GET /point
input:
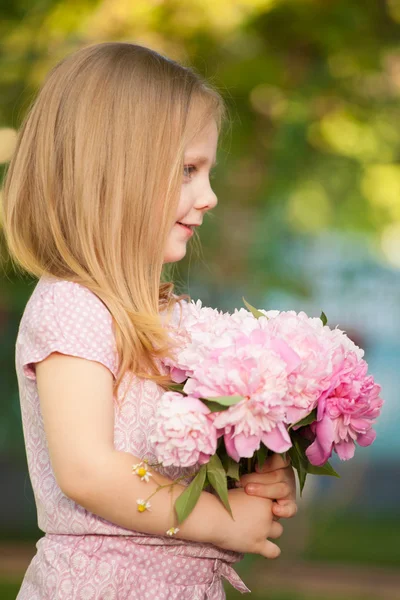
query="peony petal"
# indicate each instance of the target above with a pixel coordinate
(367, 438)
(295, 414)
(246, 445)
(345, 450)
(230, 446)
(203, 458)
(178, 375)
(291, 358)
(258, 336)
(321, 449)
(190, 387)
(278, 439)
(360, 425)
(187, 404)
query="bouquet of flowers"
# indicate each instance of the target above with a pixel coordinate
(255, 382)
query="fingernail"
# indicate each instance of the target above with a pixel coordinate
(251, 489)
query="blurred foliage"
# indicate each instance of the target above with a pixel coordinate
(329, 530)
(313, 89)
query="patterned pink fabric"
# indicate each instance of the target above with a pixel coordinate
(91, 567)
(67, 317)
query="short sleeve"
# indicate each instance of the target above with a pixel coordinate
(69, 318)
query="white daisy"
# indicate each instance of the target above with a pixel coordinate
(141, 470)
(143, 505)
(137, 466)
(172, 530)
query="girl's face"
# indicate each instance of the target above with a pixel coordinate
(197, 196)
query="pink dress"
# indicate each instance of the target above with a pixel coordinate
(83, 556)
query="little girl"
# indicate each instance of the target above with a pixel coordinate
(109, 180)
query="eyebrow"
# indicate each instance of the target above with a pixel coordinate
(203, 160)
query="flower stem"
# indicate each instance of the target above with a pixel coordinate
(170, 485)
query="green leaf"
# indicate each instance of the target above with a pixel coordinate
(257, 313)
(325, 469)
(301, 443)
(232, 468)
(177, 387)
(186, 502)
(283, 454)
(306, 421)
(224, 400)
(217, 477)
(214, 407)
(323, 318)
(299, 458)
(224, 458)
(261, 455)
(300, 465)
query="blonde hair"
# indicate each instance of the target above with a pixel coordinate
(92, 190)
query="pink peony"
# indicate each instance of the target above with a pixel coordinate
(319, 355)
(242, 367)
(284, 365)
(184, 434)
(246, 367)
(196, 332)
(346, 412)
(249, 422)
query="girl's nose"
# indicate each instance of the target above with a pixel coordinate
(206, 201)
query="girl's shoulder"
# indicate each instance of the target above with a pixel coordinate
(50, 289)
(66, 307)
(66, 317)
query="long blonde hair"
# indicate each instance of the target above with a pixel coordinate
(92, 189)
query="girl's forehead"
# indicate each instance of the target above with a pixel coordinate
(203, 146)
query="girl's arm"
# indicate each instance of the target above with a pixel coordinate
(76, 400)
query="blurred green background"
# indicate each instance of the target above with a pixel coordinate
(308, 218)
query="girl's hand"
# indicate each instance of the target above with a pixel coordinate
(252, 524)
(275, 481)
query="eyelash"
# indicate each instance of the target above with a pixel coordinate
(212, 175)
(190, 167)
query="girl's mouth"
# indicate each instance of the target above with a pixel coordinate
(187, 228)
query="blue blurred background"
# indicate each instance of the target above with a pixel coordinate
(308, 219)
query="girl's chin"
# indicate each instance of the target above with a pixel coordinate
(175, 254)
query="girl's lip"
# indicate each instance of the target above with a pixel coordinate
(185, 228)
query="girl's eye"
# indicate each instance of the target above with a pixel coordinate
(189, 167)
(193, 168)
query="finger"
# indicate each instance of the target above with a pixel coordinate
(269, 550)
(275, 476)
(276, 530)
(274, 491)
(285, 511)
(273, 462)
